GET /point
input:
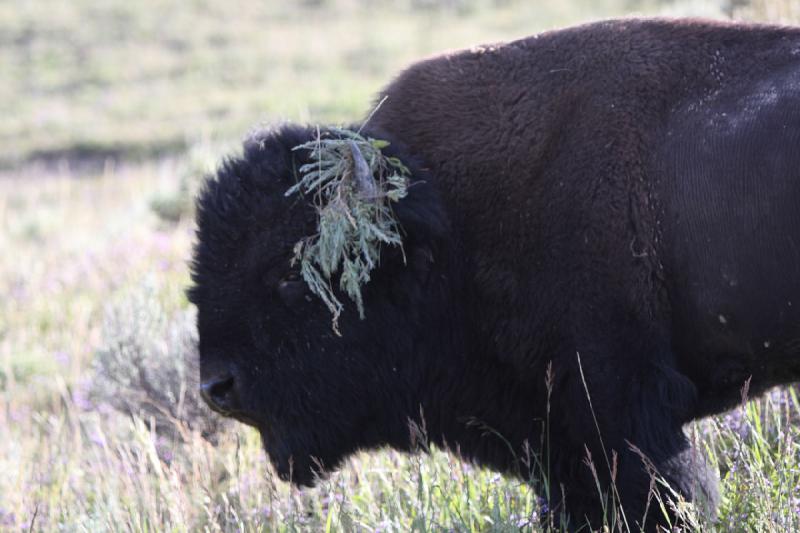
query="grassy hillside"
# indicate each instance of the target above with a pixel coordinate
(111, 110)
(90, 79)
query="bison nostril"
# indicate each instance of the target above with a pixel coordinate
(219, 393)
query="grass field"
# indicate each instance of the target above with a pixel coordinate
(140, 79)
(111, 111)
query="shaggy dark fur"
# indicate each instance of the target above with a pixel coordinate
(618, 201)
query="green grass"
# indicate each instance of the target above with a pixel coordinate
(90, 87)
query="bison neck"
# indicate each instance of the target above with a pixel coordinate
(476, 407)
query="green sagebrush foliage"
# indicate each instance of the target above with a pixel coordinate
(147, 364)
(352, 184)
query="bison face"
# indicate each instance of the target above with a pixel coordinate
(268, 355)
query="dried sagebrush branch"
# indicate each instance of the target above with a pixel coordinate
(352, 184)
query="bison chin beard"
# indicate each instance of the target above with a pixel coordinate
(287, 462)
(296, 459)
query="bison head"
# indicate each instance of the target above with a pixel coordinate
(268, 355)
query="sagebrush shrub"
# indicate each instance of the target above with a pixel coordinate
(147, 365)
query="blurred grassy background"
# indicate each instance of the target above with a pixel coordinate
(90, 79)
(111, 111)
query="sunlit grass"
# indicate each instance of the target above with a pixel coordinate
(85, 471)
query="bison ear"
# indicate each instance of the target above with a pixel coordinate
(421, 214)
(426, 229)
(421, 260)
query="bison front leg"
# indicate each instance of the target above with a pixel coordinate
(619, 450)
(647, 487)
(689, 475)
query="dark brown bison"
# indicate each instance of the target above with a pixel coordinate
(604, 216)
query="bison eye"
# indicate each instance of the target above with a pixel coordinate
(292, 289)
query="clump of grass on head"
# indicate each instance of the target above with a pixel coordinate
(353, 185)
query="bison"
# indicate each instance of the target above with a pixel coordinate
(602, 232)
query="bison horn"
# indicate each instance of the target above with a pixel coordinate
(362, 174)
